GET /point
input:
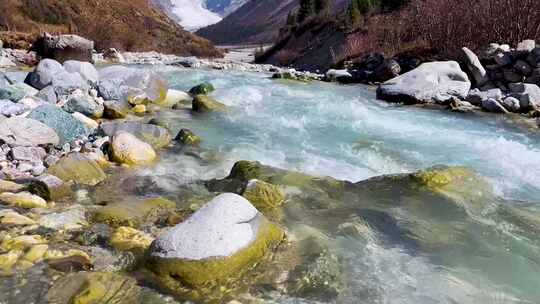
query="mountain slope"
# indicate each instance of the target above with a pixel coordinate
(257, 21)
(133, 25)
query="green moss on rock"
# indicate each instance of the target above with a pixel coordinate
(204, 104)
(133, 213)
(264, 196)
(197, 277)
(78, 169)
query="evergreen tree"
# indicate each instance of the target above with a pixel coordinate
(307, 8)
(354, 13)
(291, 19)
(321, 6)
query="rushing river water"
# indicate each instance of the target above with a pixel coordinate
(424, 248)
(342, 131)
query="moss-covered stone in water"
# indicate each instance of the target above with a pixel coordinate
(203, 104)
(197, 277)
(264, 196)
(245, 171)
(78, 169)
(188, 138)
(129, 239)
(133, 213)
(202, 89)
(94, 288)
(23, 200)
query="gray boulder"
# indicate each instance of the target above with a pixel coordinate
(492, 105)
(334, 75)
(116, 82)
(534, 58)
(44, 73)
(527, 93)
(431, 82)
(84, 104)
(87, 70)
(477, 96)
(512, 104)
(510, 75)
(523, 68)
(475, 66)
(156, 136)
(48, 94)
(8, 108)
(526, 46)
(65, 125)
(503, 58)
(65, 47)
(65, 83)
(34, 155)
(16, 92)
(20, 131)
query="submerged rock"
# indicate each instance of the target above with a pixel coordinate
(435, 82)
(220, 242)
(129, 239)
(204, 104)
(23, 200)
(128, 149)
(94, 288)
(78, 169)
(134, 213)
(188, 138)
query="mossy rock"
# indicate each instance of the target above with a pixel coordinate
(181, 275)
(78, 169)
(188, 138)
(202, 89)
(204, 104)
(134, 213)
(214, 247)
(264, 196)
(130, 239)
(94, 288)
(23, 200)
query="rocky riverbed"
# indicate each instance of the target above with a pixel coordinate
(164, 184)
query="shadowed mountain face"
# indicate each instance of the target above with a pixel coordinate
(257, 21)
(133, 25)
(224, 7)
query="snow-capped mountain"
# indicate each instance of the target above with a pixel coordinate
(191, 14)
(195, 14)
(224, 7)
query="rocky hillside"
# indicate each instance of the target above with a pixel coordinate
(133, 25)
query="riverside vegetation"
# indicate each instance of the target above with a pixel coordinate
(142, 184)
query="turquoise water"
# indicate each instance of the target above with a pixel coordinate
(344, 132)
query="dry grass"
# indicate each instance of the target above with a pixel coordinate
(132, 25)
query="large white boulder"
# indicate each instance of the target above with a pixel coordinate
(437, 82)
(219, 241)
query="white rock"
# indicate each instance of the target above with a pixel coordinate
(87, 70)
(225, 225)
(26, 132)
(476, 67)
(430, 82)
